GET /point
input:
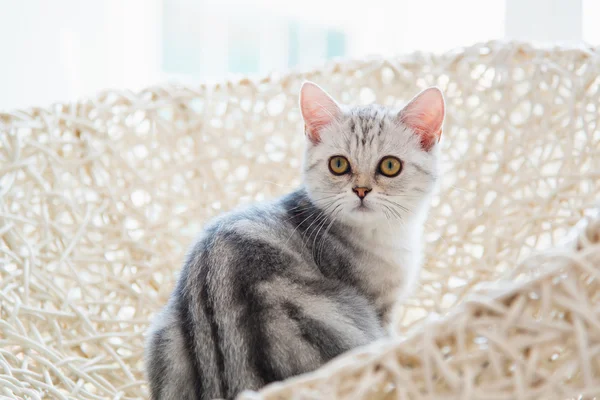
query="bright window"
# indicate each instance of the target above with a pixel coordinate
(67, 49)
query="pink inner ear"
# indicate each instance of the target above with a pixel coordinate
(318, 110)
(425, 116)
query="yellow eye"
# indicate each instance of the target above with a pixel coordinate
(339, 165)
(390, 166)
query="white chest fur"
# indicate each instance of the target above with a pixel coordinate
(390, 264)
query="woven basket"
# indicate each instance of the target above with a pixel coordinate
(99, 201)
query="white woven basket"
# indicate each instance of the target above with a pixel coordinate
(100, 199)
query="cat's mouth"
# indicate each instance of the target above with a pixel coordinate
(362, 208)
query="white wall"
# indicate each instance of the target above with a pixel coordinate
(61, 50)
(545, 20)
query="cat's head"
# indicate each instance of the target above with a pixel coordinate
(367, 164)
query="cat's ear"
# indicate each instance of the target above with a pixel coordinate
(318, 110)
(425, 116)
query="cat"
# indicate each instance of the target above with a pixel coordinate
(279, 289)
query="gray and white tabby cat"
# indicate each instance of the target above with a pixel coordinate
(281, 288)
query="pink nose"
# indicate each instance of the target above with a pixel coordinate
(361, 192)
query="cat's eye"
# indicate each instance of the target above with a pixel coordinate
(390, 166)
(339, 165)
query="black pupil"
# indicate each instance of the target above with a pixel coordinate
(390, 164)
(339, 163)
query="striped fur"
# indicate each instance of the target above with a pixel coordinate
(278, 289)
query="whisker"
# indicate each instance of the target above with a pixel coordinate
(310, 215)
(308, 208)
(464, 190)
(317, 235)
(335, 215)
(430, 227)
(387, 218)
(280, 185)
(318, 218)
(394, 204)
(394, 213)
(398, 205)
(297, 226)
(325, 191)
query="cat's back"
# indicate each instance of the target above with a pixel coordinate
(250, 245)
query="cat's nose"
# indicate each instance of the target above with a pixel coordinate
(361, 192)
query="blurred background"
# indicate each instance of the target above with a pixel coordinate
(63, 50)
